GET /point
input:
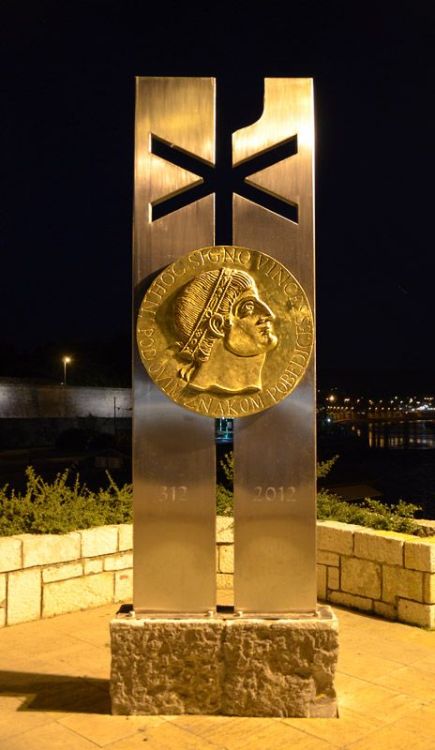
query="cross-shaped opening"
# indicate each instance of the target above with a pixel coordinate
(223, 178)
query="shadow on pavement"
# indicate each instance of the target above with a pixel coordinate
(49, 692)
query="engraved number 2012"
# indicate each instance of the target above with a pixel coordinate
(172, 493)
(279, 494)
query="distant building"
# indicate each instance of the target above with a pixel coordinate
(36, 414)
(20, 400)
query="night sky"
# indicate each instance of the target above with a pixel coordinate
(67, 90)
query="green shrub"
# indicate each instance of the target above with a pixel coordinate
(64, 505)
(369, 512)
(224, 501)
(224, 495)
(60, 506)
(324, 467)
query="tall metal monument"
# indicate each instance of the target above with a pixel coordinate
(224, 328)
(268, 191)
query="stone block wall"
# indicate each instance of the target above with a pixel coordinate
(42, 575)
(389, 574)
(384, 572)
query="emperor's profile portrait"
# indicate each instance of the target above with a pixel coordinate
(224, 332)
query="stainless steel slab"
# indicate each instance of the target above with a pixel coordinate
(173, 450)
(275, 456)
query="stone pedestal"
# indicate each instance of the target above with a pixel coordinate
(225, 665)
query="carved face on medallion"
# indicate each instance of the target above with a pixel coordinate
(225, 331)
(249, 329)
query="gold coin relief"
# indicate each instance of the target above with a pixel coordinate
(225, 331)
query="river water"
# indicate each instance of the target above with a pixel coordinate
(395, 458)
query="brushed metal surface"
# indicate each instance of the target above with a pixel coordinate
(275, 451)
(173, 450)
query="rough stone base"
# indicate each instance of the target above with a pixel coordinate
(234, 666)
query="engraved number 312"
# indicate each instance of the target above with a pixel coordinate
(173, 493)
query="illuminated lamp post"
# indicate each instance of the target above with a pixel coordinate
(66, 361)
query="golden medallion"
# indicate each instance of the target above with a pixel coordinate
(225, 331)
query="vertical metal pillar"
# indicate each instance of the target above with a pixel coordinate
(173, 449)
(275, 568)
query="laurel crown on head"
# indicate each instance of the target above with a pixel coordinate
(200, 312)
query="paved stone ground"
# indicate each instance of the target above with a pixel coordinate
(54, 693)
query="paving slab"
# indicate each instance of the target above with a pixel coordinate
(54, 693)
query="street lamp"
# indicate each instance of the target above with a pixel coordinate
(66, 361)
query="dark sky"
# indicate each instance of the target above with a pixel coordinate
(67, 90)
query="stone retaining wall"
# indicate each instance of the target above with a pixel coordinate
(384, 572)
(390, 574)
(29, 401)
(48, 574)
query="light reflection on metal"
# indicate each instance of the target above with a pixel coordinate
(173, 450)
(275, 450)
(168, 179)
